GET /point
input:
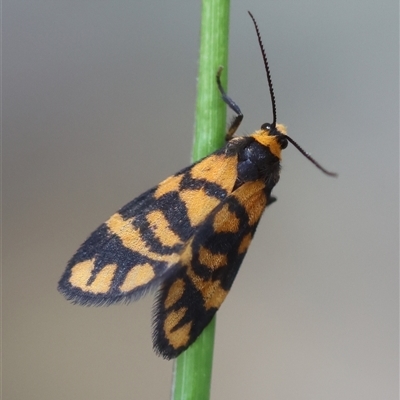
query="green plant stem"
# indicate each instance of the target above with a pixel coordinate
(192, 369)
(210, 109)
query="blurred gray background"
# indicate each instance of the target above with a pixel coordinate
(98, 105)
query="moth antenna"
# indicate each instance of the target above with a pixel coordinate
(264, 55)
(271, 91)
(307, 155)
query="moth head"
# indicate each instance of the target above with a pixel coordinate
(278, 131)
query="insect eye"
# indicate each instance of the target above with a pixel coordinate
(266, 126)
(282, 141)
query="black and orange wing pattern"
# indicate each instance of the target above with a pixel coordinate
(133, 250)
(188, 236)
(209, 262)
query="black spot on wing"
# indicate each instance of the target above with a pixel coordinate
(175, 212)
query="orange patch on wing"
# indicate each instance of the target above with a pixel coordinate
(186, 255)
(252, 197)
(198, 204)
(220, 169)
(211, 260)
(211, 291)
(177, 337)
(245, 243)
(82, 272)
(131, 239)
(213, 295)
(175, 292)
(226, 221)
(137, 276)
(170, 184)
(161, 228)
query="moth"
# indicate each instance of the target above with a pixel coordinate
(187, 236)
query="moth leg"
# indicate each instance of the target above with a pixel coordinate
(232, 105)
